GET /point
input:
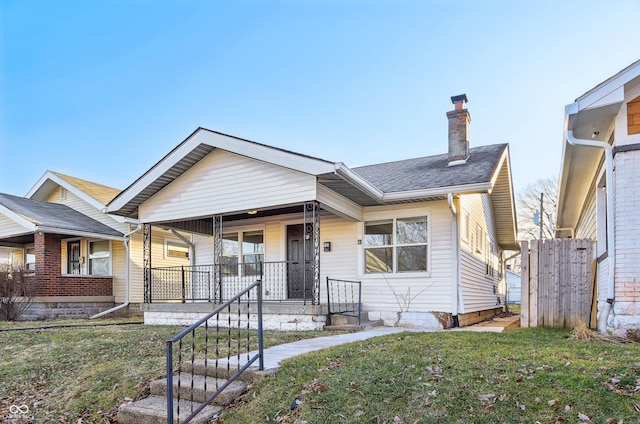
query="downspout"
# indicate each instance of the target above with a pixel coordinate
(603, 316)
(455, 255)
(126, 277)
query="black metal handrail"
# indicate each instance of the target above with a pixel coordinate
(284, 280)
(344, 297)
(191, 330)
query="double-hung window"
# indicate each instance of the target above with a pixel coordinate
(242, 253)
(99, 257)
(396, 245)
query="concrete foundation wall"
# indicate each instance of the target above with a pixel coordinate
(43, 311)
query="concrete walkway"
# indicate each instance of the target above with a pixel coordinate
(274, 355)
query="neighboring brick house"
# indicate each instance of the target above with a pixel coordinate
(599, 194)
(35, 233)
(82, 262)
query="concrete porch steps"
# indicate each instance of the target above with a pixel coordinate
(153, 409)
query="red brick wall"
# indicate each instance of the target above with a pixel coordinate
(49, 278)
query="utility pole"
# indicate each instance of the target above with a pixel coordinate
(541, 213)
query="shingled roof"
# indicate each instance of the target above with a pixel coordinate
(433, 171)
(101, 193)
(54, 217)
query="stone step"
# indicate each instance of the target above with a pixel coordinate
(232, 392)
(218, 369)
(153, 410)
(347, 328)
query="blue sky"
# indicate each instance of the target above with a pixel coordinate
(102, 90)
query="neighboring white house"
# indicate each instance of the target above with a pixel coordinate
(425, 236)
(599, 194)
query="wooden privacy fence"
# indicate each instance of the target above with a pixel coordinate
(557, 283)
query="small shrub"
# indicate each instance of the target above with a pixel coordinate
(16, 292)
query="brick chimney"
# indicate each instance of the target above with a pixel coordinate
(459, 120)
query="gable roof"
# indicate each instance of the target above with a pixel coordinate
(195, 147)
(97, 195)
(419, 179)
(35, 215)
(592, 116)
(432, 172)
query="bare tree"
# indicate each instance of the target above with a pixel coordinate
(529, 206)
(16, 292)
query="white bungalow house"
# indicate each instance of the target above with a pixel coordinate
(599, 195)
(423, 236)
(81, 261)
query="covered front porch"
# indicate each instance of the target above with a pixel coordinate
(228, 253)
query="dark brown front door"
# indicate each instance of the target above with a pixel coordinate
(299, 274)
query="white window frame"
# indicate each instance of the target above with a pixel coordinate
(394, 245)
(240, 231)
(26, 262)
(85, 262)
(176, 243)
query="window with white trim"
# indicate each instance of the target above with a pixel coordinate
(396, 245)
(175, 249)
(30, 259)
(100, 257)
(242, 253)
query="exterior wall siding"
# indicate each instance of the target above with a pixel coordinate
(8, 227)
(415, 292)
(226, 182)
(479, 291)
(75, 202)
(587, 226)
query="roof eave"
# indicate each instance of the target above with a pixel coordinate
(87, 234)
(51, 176)
(439, 191)
(202, 136)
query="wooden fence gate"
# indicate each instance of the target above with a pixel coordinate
(557, 283)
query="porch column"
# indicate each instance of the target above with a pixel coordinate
(312, 235)
(146, 261)
(217, 258)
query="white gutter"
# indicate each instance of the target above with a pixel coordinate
(343, 171)
(126, 277)
(455, 248)
(603, 316)
(52, 230)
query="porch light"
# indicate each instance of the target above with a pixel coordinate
(327, 246)
(252, 212)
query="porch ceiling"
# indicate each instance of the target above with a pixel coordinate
(205, 225)
(12, 241)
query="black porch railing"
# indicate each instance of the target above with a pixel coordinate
(287, 280)
(344, 297)
(231, 341)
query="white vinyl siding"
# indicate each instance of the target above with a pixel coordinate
(76, 203)
(587, 224)
(9, 227)
(158, 259)
(416, 291)
(479, 291)
(225, 182)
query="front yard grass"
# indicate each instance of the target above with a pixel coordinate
(520, 376)
(80, 373)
